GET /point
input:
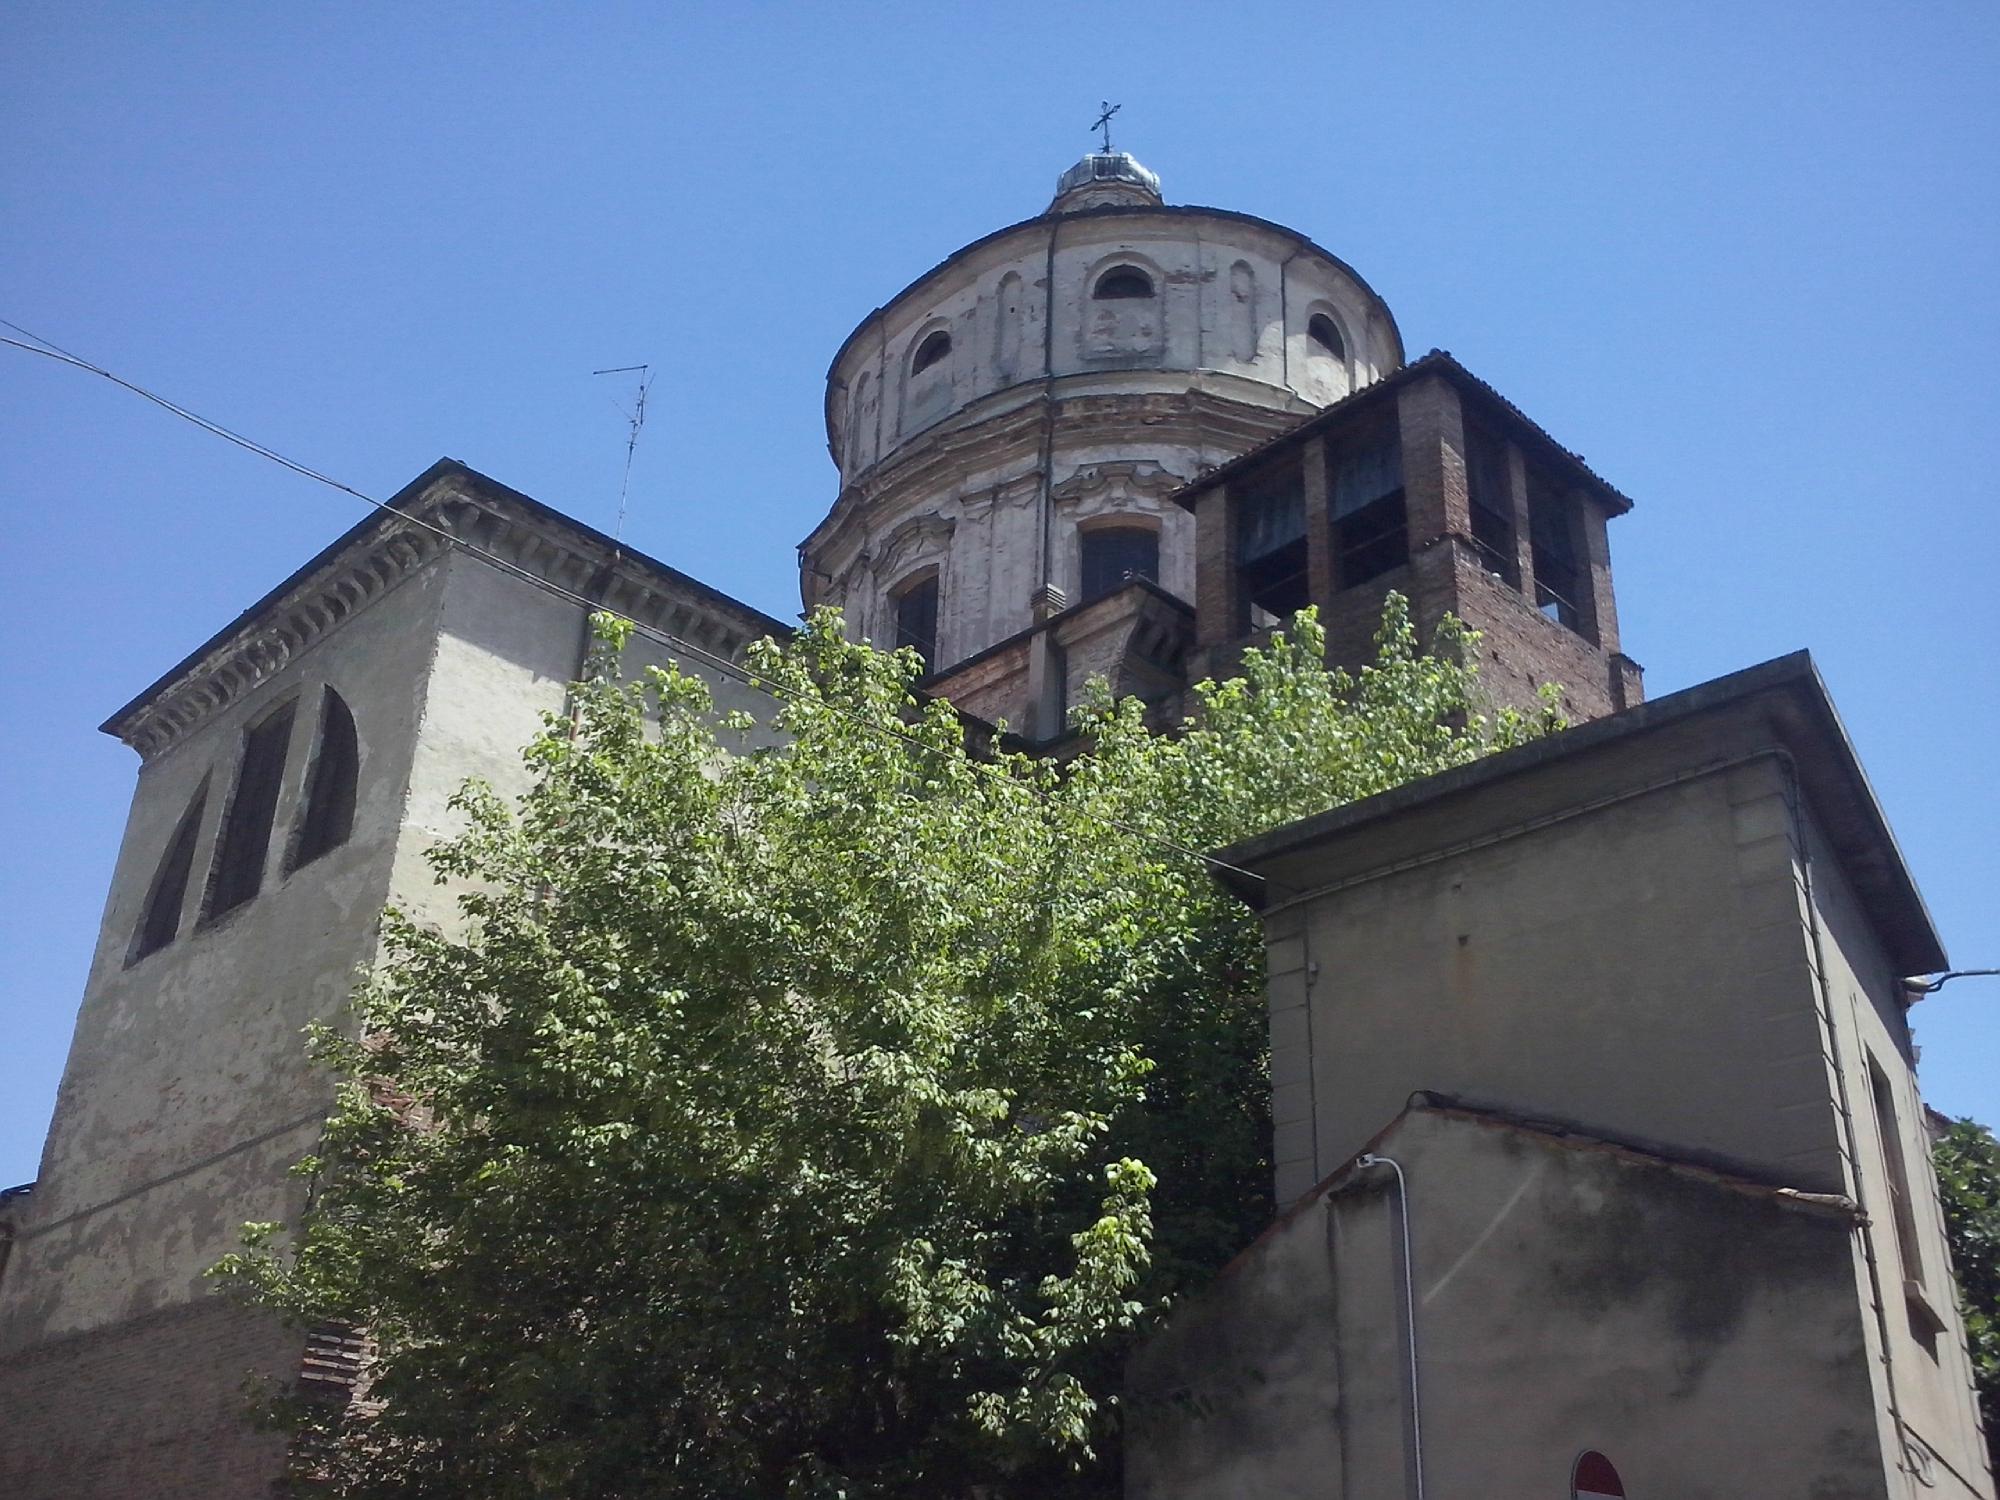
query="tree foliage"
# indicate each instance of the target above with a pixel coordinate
(1968, 1171)
(820, 1120)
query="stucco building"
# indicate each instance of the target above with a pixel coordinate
(1597, 1133)
(1121, 439)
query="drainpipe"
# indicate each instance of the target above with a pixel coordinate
(1795, 804)
(1370, 1159)
(1284, 323)
(1048, 405)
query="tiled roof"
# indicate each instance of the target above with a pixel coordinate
(1437, 362)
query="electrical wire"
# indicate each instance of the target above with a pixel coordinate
(722, 664)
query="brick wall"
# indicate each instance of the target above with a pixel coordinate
(153, 1408)
(1520, 648)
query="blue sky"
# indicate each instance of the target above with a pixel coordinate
(1742, 257)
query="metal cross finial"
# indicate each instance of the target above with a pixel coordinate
(1103, 123)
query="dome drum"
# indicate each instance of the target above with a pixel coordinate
(1066, 373)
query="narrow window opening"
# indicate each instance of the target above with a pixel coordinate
(1371, 531)
(238, 872)
(1898, 1172)
(1492, 504)
(160, 921)
(329, 811)
(1271, 546)
(1114, 555)
(917, 618)
(1558, 580)
(1123, 281)
(930, 351)
(1325, 336)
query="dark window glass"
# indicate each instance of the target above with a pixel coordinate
(930, 351)
(160, 923)
(329, 812)
(1492, 504)
(1558, 580)
(1370, 529)
(1595, 1479)
(1326, 337)
(1899, 1175)
(1271, 544)
(916, 620)
(1117, 553)
(246, 829)
(1124, 281)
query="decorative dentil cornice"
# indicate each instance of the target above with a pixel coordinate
(475, 516)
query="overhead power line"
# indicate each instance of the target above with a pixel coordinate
(673, 643)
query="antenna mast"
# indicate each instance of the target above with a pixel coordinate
(636, 418)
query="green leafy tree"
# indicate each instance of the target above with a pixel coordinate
(824, 1120)
(1968, 1171)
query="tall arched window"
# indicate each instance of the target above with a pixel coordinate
(917, 618)
(160, 921)
(934, 348)
(328, 816)
(1114, 555)
(1123, 281)
(1325, 336)
(238, 871)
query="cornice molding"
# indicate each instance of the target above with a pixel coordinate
(936, 468)
(383, 553)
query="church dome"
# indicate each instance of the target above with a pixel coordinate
(1031, 403)
(1105, 177)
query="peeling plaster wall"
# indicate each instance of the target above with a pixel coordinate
(1556, 972)
(1709, 1342)
(1128, 398)
(188, 1094)
(1930, 1366)
(182, 1059)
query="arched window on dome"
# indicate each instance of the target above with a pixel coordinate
(328, 816)
(160, 920)
(932, 350)
(1121, 282)
(1325, 337)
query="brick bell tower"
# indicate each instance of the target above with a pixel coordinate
(1431, 483)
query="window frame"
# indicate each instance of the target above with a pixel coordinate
(1112, 529)
(924, 581)
(1273, 582)
(174, 869)
(922, 358)
(1373, 537)
(1318, 348)
(1103, 287)
(326, 803)
(235, 872)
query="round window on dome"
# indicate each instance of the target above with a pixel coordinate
(1123, 281)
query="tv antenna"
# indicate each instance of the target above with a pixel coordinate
(635, 417)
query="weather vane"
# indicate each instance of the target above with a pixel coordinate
(1103, 123)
